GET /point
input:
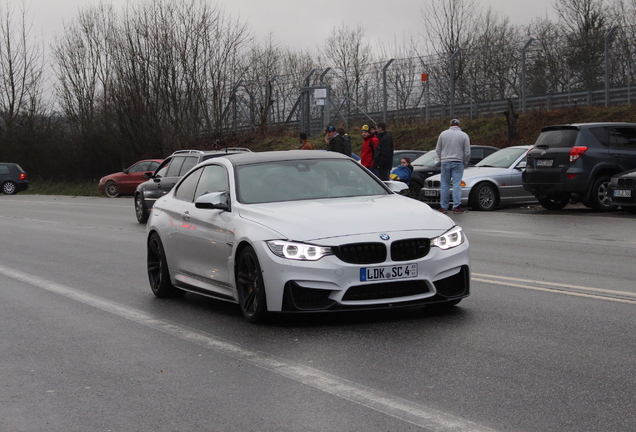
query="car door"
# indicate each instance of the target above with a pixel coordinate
(622, 146)
(205, 244)
(515, 191)
(133, 176)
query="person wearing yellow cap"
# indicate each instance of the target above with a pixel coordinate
(369, 145)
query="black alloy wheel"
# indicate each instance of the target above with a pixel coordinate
(111, 189)
(158, 274)
(250, 286)
(599, 198)
(140, 209)
(9, 188)
(554, 202)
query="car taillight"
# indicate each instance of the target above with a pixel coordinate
(22, 176)
(576, 152)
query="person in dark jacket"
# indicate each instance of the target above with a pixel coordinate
(383, 155)
(335, 142)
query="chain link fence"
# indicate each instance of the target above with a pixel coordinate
(531, 73)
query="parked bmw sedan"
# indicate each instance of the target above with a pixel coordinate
(300, 231)
(494, 181)
(622, 190)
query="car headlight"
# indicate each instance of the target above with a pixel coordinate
(450, 239)
(298, 251)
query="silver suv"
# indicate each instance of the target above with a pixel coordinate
(168, 173)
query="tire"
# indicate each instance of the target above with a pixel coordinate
(415, 190)
(484, 197)
(555, 202)
(140, 209)
(250, 286)
(158, 273)
(599, 199)
(9, 188)
(111, 189)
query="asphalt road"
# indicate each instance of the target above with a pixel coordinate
(544, 343)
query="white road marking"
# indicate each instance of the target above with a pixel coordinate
(396, 407)
(573, 290)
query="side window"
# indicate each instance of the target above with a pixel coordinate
(163, 168)
(175, 166)
(602, 134)
(139, 167)
(623, 137)
(153, 166)
(4, 169)
(185, 191)
(214, 179)
(476, 155)
(188, 164)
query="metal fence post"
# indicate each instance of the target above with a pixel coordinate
(452, 82)
(607, 65)
(385, 92)
(523, 74)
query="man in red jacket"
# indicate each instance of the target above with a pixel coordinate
(369, 145)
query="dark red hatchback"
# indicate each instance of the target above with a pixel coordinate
(125, 182)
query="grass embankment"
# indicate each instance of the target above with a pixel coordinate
(38, 186)
(491, 130)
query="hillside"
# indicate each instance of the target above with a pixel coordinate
(483, 131)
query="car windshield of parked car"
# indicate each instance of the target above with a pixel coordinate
(428, 159)
(503, 158)
(304, 180)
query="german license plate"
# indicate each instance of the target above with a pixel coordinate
(623, 193)
(432, 193)
(389, 272)
(544, 162)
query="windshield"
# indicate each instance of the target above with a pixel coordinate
(428, 159)
(503, 158)
(304, 180)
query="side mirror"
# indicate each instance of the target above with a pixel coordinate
(397, 187)
(125, 171)
(147, 174)
(213, 200)
(522, 165)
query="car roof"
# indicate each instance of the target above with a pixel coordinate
(586, 125)
(275, 156)
(228, 150)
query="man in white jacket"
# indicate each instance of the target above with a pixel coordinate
(453, 150)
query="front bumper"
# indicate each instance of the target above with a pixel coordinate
(432, 196)
(330, 284)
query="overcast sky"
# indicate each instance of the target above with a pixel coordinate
(304, 24)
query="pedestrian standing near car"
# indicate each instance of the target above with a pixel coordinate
(304, 142)
(346, 139)
(334, 141)
(453, 151)
(383, 155)
(369, 144)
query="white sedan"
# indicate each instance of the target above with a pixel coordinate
(302, 231)
(494, 181)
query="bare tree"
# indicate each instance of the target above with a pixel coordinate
(586, 23)
(348, 52)
(21, 69)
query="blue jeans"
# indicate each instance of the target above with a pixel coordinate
(451, 171)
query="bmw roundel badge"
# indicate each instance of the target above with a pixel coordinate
(384, 236)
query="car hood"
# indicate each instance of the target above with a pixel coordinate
(335, 217)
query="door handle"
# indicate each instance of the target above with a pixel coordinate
(185, 215)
